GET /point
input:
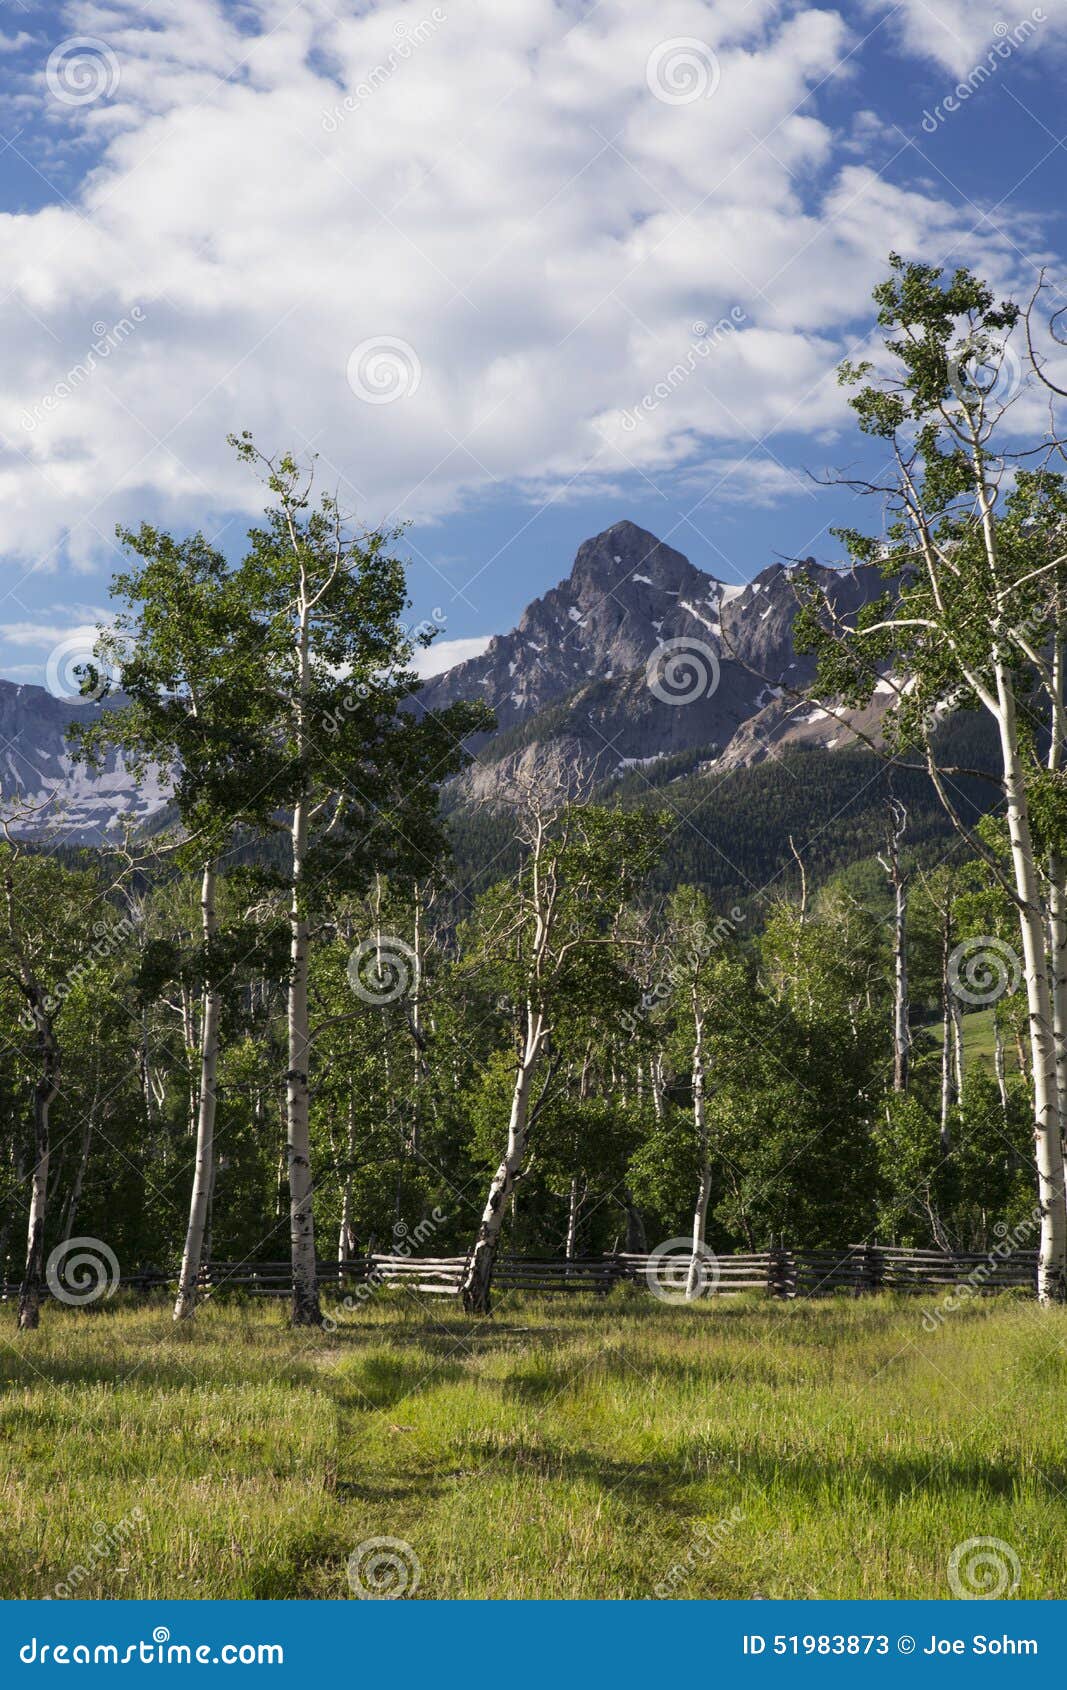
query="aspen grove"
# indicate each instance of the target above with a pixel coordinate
(283, 1023)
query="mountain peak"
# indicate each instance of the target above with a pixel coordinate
(627, 594)
(625, 552)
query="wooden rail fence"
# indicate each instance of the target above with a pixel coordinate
(782, 1273)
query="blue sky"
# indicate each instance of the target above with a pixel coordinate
(514, 273)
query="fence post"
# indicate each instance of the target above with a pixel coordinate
(873, 1268)
(778, 1273)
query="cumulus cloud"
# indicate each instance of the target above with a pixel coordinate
(451, 248)
(959, 34)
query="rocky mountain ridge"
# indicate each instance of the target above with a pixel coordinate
(638, 655)
(634, 657)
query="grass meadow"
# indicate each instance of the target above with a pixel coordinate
(567, 1447)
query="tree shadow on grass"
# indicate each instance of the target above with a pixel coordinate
(383, 1381)
(887, 1479)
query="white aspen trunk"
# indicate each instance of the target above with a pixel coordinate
(998, 1061)
(901, 1033)
(146, 1073)
(1048, 1139)
(479, 1275)
(191, 1063)
(657, 1085)
(572, 1220)
(417, 1034)
(947, 1029)
(694, 1278)
(899, 882)
(1057, 873)
(305, 1304)
(1057, 926)
(200, 1199)
(346, 1237)
(1048, 1144)
(44, 1092)
(957, 1043)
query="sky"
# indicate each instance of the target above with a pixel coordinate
(513, 271)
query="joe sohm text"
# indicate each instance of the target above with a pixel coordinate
(880, 1643)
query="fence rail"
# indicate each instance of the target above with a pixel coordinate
(786, 1274)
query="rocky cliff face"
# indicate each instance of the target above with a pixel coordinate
(635, 657)
(638, 655)
(87, 808)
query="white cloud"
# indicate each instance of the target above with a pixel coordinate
(46, 634)
(444, 654)
(959, 34)
(503, 195)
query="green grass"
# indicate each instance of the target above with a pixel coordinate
(566, 1448)
(979, 1041)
